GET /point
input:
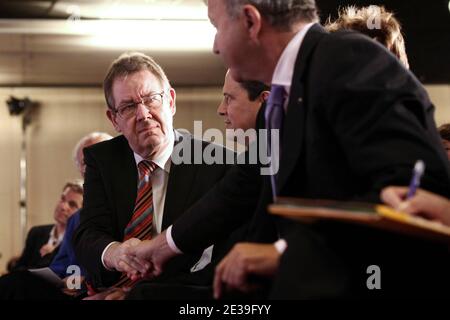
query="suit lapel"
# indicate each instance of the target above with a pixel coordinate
(126, 177)
(179, 185)
(294, 124)
(181, 180)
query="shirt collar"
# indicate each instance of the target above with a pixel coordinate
(53, 239)
(284, 70)
(163, 160)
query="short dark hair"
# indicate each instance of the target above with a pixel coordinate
(444, 131)
(254, 88)
(281, 14)
(129, 63)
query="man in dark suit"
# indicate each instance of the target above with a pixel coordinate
(355, 120)
(43, 241)
(141, 105)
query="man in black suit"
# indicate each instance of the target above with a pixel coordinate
(141, 105)
(355, 120)
(43, 241)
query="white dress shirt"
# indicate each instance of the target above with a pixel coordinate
(159, 179)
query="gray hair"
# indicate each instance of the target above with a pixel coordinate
(87, 140)
(281, 14)
(129, 63)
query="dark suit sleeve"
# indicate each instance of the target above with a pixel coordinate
(95, 231)
(229, 204)
(381, 116)
(26, 258)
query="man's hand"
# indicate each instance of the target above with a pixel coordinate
(423, 203)
(155, 252)
(118, 257)
(110, 294)
(243, 260)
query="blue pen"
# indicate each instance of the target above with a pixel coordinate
(419, 168)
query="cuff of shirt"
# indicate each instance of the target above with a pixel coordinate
(280, 245)
(103, 255)
(170, 241)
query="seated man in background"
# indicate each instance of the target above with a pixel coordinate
(423, 203)
(444, 131)
(388, 32)
(43, 241)
(31, 286)
(66, 254)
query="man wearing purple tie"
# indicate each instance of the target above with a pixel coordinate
(353, 121)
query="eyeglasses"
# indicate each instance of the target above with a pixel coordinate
(152, 101)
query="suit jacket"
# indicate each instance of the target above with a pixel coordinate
(110, 191)
(356, 122)
(31, 258)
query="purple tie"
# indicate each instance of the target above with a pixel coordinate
(274, 120)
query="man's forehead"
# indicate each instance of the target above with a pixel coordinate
(138, 82)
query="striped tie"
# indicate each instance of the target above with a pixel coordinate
(140, 225)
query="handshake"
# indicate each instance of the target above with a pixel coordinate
(139, 259)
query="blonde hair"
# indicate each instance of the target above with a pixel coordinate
(389, 34)
(87, 140)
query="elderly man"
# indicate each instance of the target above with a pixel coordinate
(353, 120)
(135, 185)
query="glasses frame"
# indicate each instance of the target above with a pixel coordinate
(119, 110)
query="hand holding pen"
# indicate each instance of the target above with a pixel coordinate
(418, 171)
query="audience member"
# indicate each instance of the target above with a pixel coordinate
(375, 22)
(43, 241)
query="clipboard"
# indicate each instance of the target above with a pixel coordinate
(372, 215)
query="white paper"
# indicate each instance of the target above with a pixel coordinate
(48, 275)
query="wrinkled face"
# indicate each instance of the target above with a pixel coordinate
(236, 108)
(150, 128)
(67, 205)
(232, 42)
(446, 144)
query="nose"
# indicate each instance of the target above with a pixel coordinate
(142, 112)
(63, 205)
(222, 110)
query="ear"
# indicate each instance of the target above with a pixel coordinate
(112, 117)
(172, 99)
(264, 96)
(253, 21)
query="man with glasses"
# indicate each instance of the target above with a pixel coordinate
(134, 189)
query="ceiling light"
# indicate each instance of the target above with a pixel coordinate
(188, 35)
